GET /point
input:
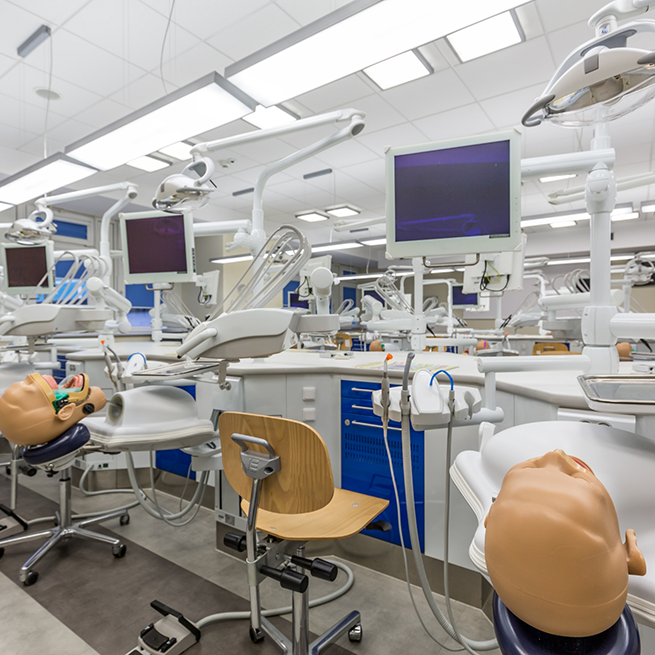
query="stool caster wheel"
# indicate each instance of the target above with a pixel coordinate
(125, 519)
(119, 551)
(31, 578)
(29, 471)
(355, 633)
(8, 470)
(2, 552)
(256, 636)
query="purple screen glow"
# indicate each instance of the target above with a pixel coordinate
(156, 245)
(454, 192)
(26, 267)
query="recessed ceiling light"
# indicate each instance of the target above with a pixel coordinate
(231, 260)
(343, 212)
(558, 224)
(557, 178)
(627, 216)
(265, 117)
(312, 217)
(180, 150)
(648, 208)
(346, 245)
(148, 164)
(485, 37)
(399, 69)
(376, 242)
(47, 94)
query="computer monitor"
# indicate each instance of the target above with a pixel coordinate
(28, 269)
(463, 300)
(454, 197)
(158, 247)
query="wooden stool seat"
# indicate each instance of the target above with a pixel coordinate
(348, 513)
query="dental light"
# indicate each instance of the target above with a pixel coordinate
(603, 79)
(182, 192)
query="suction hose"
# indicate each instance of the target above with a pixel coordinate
(449, 627)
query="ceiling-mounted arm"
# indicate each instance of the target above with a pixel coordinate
(105, 246)
(607, 17)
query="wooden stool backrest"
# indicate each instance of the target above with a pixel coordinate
(549, 348)
(304, 482)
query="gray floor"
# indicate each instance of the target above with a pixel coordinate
(390, 625)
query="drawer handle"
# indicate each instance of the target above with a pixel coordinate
(364, 390)
(362, 407)
(372, 425)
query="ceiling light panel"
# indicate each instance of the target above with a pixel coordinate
(232, 260)
(398, 70)
(559, 224)
(485, 37)
(312, 217)
(647, 208)
(179, 150)
(557, 178)
(148, 164)
(198, 107)
(329, 247)
(350, 39)
(343, 212)
(376, 242)
(265, 118)
(48, 175)
(628, 216)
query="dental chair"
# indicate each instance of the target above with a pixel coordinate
(282, 470)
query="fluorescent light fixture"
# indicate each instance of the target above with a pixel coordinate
(198, 107)
(329, 247)
(33, 41)
(4, 206)
(232, 260)
(265, 117)
(180, 150)
(148, 164)
(343, 212)
(557, 178)
(363, 276)
(399, 69)
(647, 208)
(376, 242)
(561, 262)
(312, 217)
(485, 37)
(556, 219)
(559, 224)
(43, 177)
(628, 216)
(350, 39)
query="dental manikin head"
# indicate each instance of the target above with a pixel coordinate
(553, 548)
(36, 410)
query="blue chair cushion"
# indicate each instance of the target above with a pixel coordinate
(66, 443)
(518, 638)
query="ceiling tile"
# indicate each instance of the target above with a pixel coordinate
(379, 113)
(562, 42)
(142, 91)
(102, 113)
(304, 12)
(509, 108)
(525, 64)
(456, 122)
(555, 15)
(192, 65)
(55, 13)
(269, 23)
(22, 115)
(89, 66)
(400, 135)
(341, 93)
(12, 160)
(20, 82)
(132, 31)
(348, 152)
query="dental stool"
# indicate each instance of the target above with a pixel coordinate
(58, 455)
(281, 468)
(516, 637)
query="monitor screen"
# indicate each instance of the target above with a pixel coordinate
(27, 267)
(295, 301)
(156, 245)
(456, 197)
(454, 192)
(461, 299)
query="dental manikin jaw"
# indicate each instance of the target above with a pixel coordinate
(553, 548)
(36, 411)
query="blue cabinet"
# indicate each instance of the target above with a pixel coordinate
(364, 462)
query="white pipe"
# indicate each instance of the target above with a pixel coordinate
(83, 193)
(213, 228)
(249, 137)
(633, 326)
(523, 364)
(67, 254)
(105, 248)
(567, 163)
(346, 226)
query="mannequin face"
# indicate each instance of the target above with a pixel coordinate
(28, 417)
(553, 547)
